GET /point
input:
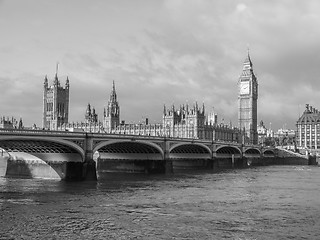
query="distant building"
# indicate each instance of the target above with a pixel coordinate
(284, 133)
(91, 123)
(308, 129)
(11, 123)
(212, 118)
(91, 116)
(263, 133)
(55, 104)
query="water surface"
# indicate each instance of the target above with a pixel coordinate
(275, 202)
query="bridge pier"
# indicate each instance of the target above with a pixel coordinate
(89, 167)
(166, 158)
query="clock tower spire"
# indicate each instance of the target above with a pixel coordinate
(247, 101)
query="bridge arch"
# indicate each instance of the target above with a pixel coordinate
(228, 150)
(40, 145)
(42, 157)
(252, 151)
(127, 146)
(190, 148)
(268, 153)
(125, 155)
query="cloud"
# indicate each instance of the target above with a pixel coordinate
(162, 52)
(241, 7)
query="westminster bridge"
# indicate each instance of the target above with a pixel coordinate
(81, 155)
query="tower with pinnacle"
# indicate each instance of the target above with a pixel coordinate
(55, 103)
(247, 101)
(111, 117)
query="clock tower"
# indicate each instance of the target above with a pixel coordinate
(247, 102)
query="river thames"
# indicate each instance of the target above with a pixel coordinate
(274, 202)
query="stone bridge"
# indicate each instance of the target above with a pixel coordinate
(80, 155)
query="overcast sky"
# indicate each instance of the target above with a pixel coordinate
(160, 52)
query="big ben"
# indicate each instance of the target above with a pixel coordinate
(247, 100)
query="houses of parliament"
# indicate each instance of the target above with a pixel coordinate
(184, 121)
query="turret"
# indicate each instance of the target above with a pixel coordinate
(88, 111)
(202, 109)
(112, 114)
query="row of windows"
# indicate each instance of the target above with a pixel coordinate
(308, 135)
(308, 130)
(310, 126)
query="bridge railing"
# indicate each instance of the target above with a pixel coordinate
(5, 131)
(40, 132)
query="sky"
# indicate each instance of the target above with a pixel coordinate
(160, 52)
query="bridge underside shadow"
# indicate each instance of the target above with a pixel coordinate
(228, 157)
(39, 159)
(190, 157)
(129, 157)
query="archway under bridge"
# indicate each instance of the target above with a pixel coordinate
(252, 153)
(228, 157)
(129, 156)
(190, 156)
(42, 158)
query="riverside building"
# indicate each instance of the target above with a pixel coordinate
(308, 129)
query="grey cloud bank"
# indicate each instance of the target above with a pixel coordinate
(160, 52)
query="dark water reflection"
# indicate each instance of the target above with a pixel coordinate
(277, 202)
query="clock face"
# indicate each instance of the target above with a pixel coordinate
(244, 88)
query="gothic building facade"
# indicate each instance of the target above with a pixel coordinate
(185, 121)
(247, 102)
(55, 104)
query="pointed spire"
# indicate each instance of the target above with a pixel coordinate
(56, 81)
(247, 62)
(67, 82)
(57, 67)
(113, 95)
(202, 110)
